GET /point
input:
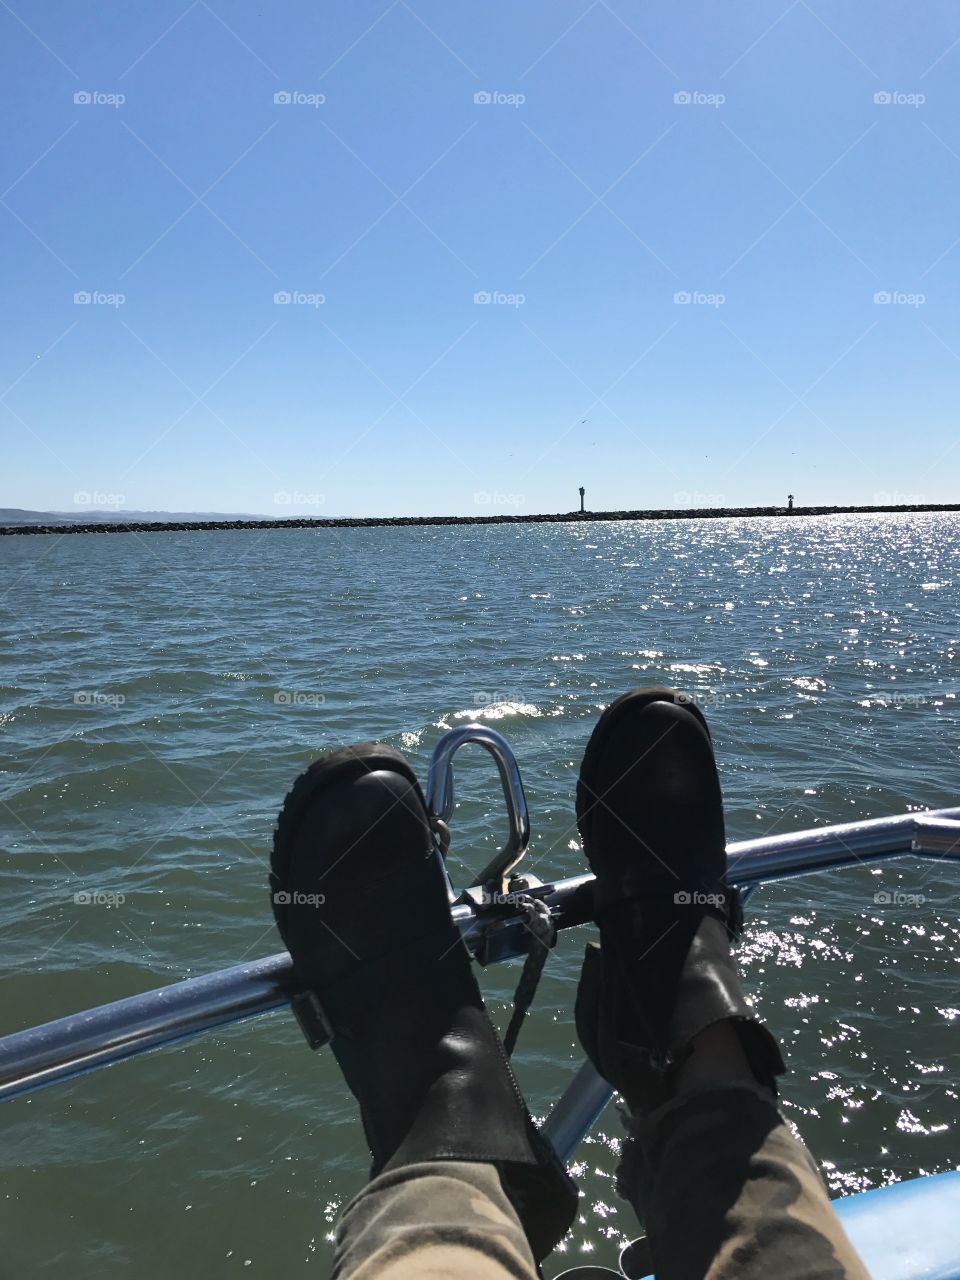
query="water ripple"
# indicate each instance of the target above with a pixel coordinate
(158, 694)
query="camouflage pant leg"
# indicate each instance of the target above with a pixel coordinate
(437, 1219)
(726, 1190)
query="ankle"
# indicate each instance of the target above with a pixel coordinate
(716, 1057)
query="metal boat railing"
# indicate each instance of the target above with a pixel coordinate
(69, 1046)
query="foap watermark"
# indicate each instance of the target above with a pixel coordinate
(697, 98)
(495, 697)
(97, 98)
(697, 898)
(897, 98)
(494, 498)
(695, 498)
(98, 898)
(497, 298)
(694, 298)
(94, 498)
(897, 298)
(905, 699)
(501, 899)
(94, 698)
(97, 298)
(897, 898)
(297, 98)
(699, 698)
(284, 898)
(296, 498)
(894, 498)
(494, 98)
(297, 298)
(298, 698)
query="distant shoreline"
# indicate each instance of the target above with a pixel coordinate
(376, 522)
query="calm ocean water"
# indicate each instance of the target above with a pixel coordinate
(145, 751)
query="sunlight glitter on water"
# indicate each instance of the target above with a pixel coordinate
(849, 626)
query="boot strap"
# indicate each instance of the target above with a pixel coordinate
(314, 1023)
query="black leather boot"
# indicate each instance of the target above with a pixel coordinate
(650, 814)
(360, 899)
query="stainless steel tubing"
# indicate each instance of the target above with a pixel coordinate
(926, 834)
(98, 1037)
(576, 1111)
(750, 862)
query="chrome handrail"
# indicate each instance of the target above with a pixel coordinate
(931, 834)
(66, 1047)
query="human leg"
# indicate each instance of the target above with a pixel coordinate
(360, 900)
(712, 1168)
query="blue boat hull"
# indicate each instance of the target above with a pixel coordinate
(907, 1231)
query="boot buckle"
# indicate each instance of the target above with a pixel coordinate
(314, 1023)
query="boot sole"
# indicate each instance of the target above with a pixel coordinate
(337, 767)
(586, 783)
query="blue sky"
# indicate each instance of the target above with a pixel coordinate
(619, 155)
